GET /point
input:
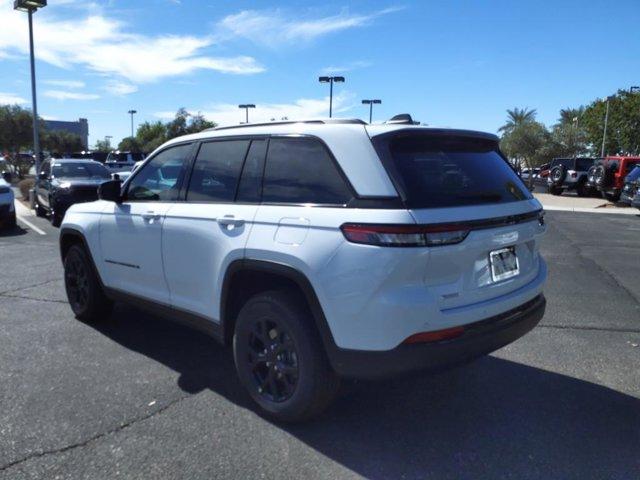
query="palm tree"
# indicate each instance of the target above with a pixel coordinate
(518, 116)
(570, 116)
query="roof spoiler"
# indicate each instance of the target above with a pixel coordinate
(402, 119)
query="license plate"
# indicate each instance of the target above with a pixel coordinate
(504, 264)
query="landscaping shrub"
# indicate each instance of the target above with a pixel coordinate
(24, 186)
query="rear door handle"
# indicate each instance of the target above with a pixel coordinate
(230, 220)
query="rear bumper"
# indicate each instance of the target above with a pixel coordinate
(479, 338)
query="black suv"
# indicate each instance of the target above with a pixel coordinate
(63, 182)
(569, 174)
(631, 184)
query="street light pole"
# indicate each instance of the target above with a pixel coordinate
(36, 133)
(246, 107)
(132, 113)
(604, 134)
(330, 81)
(371, 103)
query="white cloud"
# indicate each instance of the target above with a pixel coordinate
(349, 67)
(11, 98)
(64, 95)
(65, 83)
(119, 88)
(275, 28)
(304, 108)
(108, 46)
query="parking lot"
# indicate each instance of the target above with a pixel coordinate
(140, 396)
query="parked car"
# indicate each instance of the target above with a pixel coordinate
(118, 160)
(635, 202)
(609, 173)
(631, 183)
(527, 172)
(90, 155)
(63, 182)
(569, 174)
(319, 250)
(7, 204)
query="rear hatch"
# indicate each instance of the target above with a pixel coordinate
(483, 223)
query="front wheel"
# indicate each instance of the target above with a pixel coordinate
(40, 211)
(280, 359)
(84, 292)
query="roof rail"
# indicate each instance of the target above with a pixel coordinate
(355, 121)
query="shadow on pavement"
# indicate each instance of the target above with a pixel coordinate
(12, 231)
(491, 419)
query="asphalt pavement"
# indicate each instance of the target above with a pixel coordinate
(140, 397)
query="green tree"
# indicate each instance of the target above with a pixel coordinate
(151, 135)
(60, 142)
(129, 144)
(516, 117)
(568, 136)
(185, 123)
(16, 134)
(103, 146)
(623, 126)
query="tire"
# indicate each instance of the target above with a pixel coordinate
(13, 222)
(56, 219)
(582, 189)
(557, 175)
(84, 291)
(612, 197)
(280, 359)
(553, 190)
(40, 211)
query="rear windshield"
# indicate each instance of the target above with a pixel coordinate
(80, 170)
(435, 172)
(634, 175)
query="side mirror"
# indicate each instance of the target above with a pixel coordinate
(6, 176)
(110, 191)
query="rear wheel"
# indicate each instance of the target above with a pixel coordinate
(553, 190)
(40, 211)
(85, 294)
(582, 189)
(56, 219)
(280, 359)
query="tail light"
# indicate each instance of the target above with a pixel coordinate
(405, 235)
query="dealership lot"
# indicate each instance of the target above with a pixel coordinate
(140, 396)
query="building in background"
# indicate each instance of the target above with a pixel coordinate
(81, 128)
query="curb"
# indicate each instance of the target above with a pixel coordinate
(616, 211)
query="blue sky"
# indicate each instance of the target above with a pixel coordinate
(448, 63)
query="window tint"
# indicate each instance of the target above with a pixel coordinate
(80, 170)
(437, 172)
(160, 178)
(217, 171)
(583, 164)
(251, 181)
(300, 170)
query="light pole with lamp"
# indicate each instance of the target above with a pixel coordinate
(371, 103)
(330, 81)
(31, 6)
(606, 121)
(246, 107)
(132, 113)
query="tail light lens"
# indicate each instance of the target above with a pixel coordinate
(404, 235)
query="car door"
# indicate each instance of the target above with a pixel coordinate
(131, 231)
(204, 234)
(43, 184)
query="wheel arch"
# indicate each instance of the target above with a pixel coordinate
(246, 277)
(71, 236)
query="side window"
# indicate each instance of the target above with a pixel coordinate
(161, 178)
(300, 170)
(250, 186)
(217, 170)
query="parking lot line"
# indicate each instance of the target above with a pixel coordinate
(23, 211)
(31, 225)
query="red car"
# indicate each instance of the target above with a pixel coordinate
(608, 175)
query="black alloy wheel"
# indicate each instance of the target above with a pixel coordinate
(273, 360)
(76, 278)
(83, 287)
(280, 358)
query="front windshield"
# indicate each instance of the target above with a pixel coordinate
(80, 170)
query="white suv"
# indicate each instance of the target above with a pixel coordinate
(319, 249)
